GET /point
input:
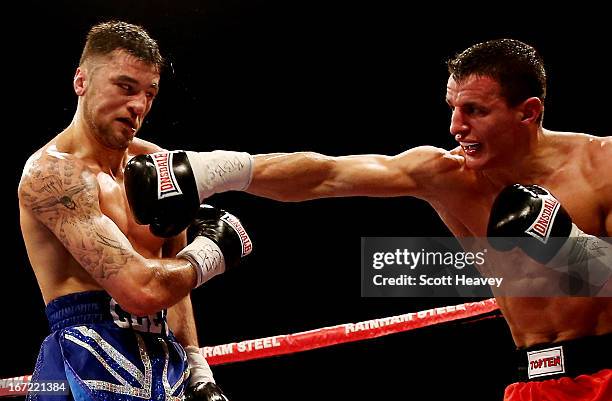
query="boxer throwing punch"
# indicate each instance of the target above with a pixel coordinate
(496, 92)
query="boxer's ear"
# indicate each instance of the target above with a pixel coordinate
(530, 110)
(79, 83)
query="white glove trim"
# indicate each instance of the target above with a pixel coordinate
(199, 370)
(206, 256)
(220, 171)
(586, 254)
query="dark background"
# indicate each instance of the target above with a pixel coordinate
(332, 77)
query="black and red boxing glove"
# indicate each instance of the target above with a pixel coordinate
(201, 386)
(162, 191)
(165, 189)
(205, 392)
(217, 242)
(530, 218)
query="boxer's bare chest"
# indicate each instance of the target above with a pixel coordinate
(114, 204)
(467, 212)
(537, 320)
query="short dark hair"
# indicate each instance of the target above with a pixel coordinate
(516, 66)
(106, 37)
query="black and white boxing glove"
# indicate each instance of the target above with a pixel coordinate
(205, 392)
(532, 219)
(165, 189)
(218, 242)
(162, 191)
(201, 386)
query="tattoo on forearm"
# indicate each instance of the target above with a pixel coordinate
(107, 259)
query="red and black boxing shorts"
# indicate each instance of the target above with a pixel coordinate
(579, 369)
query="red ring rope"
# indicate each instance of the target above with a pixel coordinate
(312, 339)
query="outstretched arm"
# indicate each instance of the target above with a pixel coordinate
(419, 172)
(306, 175)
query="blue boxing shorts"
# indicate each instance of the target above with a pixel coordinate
(101, 352)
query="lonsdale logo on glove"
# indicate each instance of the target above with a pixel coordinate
(245, 241)
(540, 228)
(166, 181)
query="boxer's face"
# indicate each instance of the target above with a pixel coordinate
(486, 128)
(120, 93)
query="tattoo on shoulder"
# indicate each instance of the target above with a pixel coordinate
(63, 195)
(50, 190)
